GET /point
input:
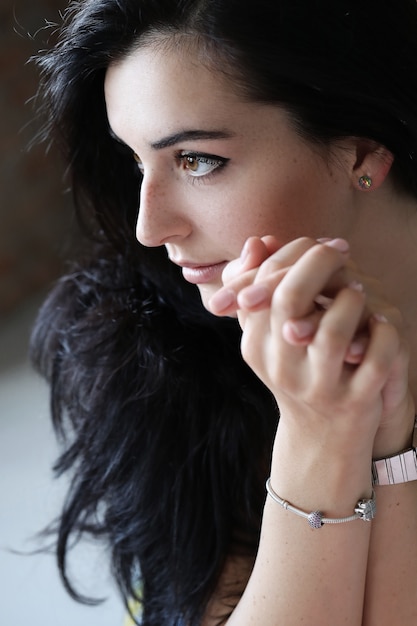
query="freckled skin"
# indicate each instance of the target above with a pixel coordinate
(273, 183)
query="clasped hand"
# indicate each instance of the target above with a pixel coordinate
(322, 337)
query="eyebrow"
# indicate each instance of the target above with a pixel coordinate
(190, 135)
(184, 135)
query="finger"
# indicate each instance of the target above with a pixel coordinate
(254, 252)
(383, 349)
(254, 293)
(314, 267)
(258, 296)
(272, 320)
(271, 243)
(300, 332)
(295, 289)
(241, 271)
(290, 254)
(335, 334)
(224, 301)
(357, 349)
(227, 300)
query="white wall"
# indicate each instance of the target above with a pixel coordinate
(30, 590)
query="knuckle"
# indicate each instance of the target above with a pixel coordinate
(237, 282)
(376, 371)
(332, 343)
(231, 270)
(271, 265)
(390, 334)
(306, 242)
(324, 252)
(286, 299)
(284, 257)
(250, 350)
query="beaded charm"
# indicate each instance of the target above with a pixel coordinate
(314, 519)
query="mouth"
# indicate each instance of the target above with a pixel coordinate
(199, 274)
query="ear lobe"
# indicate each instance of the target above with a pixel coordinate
(373, 164)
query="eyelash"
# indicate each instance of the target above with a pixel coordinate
(185, 157)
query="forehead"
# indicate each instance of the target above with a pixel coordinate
(159, 89)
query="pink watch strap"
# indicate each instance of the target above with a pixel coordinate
(397, 469)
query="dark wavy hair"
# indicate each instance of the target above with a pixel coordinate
(166, 432)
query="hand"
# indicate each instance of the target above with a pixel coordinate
(239, 289)
(254, 282)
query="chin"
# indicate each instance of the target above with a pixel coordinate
(206, 293)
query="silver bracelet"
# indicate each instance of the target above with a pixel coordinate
(364, 510)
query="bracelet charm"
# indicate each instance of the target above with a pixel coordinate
(365, 510)
(315, 519)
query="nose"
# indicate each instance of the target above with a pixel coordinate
(161, 219)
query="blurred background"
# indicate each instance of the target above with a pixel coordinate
(35, 219)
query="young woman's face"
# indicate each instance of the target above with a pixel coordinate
(217, 169)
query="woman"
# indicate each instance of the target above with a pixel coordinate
(271, 146)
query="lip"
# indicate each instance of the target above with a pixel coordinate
(199, 274)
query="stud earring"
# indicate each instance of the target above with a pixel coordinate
(365, 182)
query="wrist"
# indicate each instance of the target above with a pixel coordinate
(315, 475)
(390, 440)
(364, 510)
(396, 430)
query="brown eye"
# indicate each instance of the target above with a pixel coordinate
(200, 165)
(191, 163)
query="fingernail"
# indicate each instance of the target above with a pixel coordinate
(323, 301)
(324, 239)
(356, 348)
(380, 318)
(244, 253)
(254, 295)
(222, 300)
(356, 285)
(301, 328)
(340, 244)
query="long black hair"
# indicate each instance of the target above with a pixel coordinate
(166, 432)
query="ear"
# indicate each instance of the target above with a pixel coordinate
(372, 166)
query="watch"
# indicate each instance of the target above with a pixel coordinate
(396, 469)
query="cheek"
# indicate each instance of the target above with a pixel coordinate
(221, 216)
(262, 211)
(293, 205)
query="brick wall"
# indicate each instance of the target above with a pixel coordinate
(34, 210)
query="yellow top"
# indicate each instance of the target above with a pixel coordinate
(135, 607)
